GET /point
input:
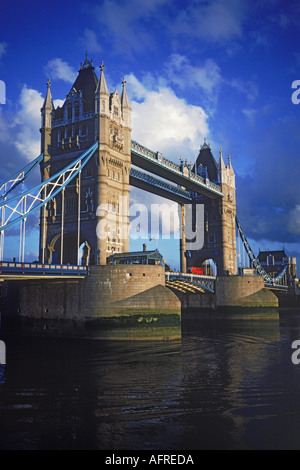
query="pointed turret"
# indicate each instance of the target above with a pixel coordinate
(102, 87)
(124, 97)
(47, 107)
(46, 122)
(126, 109)
(226, 173)
(102, 94)
(221, 168)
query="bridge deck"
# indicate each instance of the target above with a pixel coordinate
(25, 271)
(155, 163)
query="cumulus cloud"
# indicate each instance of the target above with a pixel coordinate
(90, 42)
(27, 123)
(206, 76)
(162, 121)
(214, 21)
(59, 69)
(131, 25)
(120, 21)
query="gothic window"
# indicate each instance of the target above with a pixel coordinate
(71, 205)
(76, 110)
(211, 237)
(116, 111)
(69, 112)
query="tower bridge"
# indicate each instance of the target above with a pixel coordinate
(88, 162)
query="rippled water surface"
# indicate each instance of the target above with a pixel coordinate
(225, 385)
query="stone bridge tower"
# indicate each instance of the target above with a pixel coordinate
(92, 211)
(219, 215)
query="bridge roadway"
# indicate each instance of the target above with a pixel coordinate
(27, 271)
(155, 163)
(192, 283)
(182, 282)
(161, 188)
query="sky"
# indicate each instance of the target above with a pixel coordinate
(220, 70)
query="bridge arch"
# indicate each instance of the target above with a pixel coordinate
(209, 264)
(70, 249)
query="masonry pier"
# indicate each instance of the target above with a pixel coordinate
(236, 297)
(112, 302)
(127, 302)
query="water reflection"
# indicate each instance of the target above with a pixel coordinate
(224, 385)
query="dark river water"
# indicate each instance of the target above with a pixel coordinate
(224, 385)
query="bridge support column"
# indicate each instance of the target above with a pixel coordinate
(182, 240)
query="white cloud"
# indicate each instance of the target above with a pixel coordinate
(250, 114)
(4, 128)
(124, 22)
(246, 87)
(164, 122)
(90, 41)
(27, 123)
(58, 102)
(59, 69)
(180, 71)
(214, 21)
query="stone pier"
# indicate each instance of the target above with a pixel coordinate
(117, 302)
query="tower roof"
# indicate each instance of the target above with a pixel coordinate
(207, 159)
(86, 83)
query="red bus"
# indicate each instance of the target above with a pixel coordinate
(195, 270)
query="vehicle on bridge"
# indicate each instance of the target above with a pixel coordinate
(195, 270)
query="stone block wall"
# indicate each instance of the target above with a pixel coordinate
(244, 291)
(107, 291)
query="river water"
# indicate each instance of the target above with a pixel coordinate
(225, 385)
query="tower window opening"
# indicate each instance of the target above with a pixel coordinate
(76, 110)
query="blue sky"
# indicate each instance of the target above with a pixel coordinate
(220, 70)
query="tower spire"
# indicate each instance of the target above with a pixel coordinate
(48, 99)
(102, 87)
(124, 97)
(87, 63)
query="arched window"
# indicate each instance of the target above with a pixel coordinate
(69, 112)
(76, 110)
